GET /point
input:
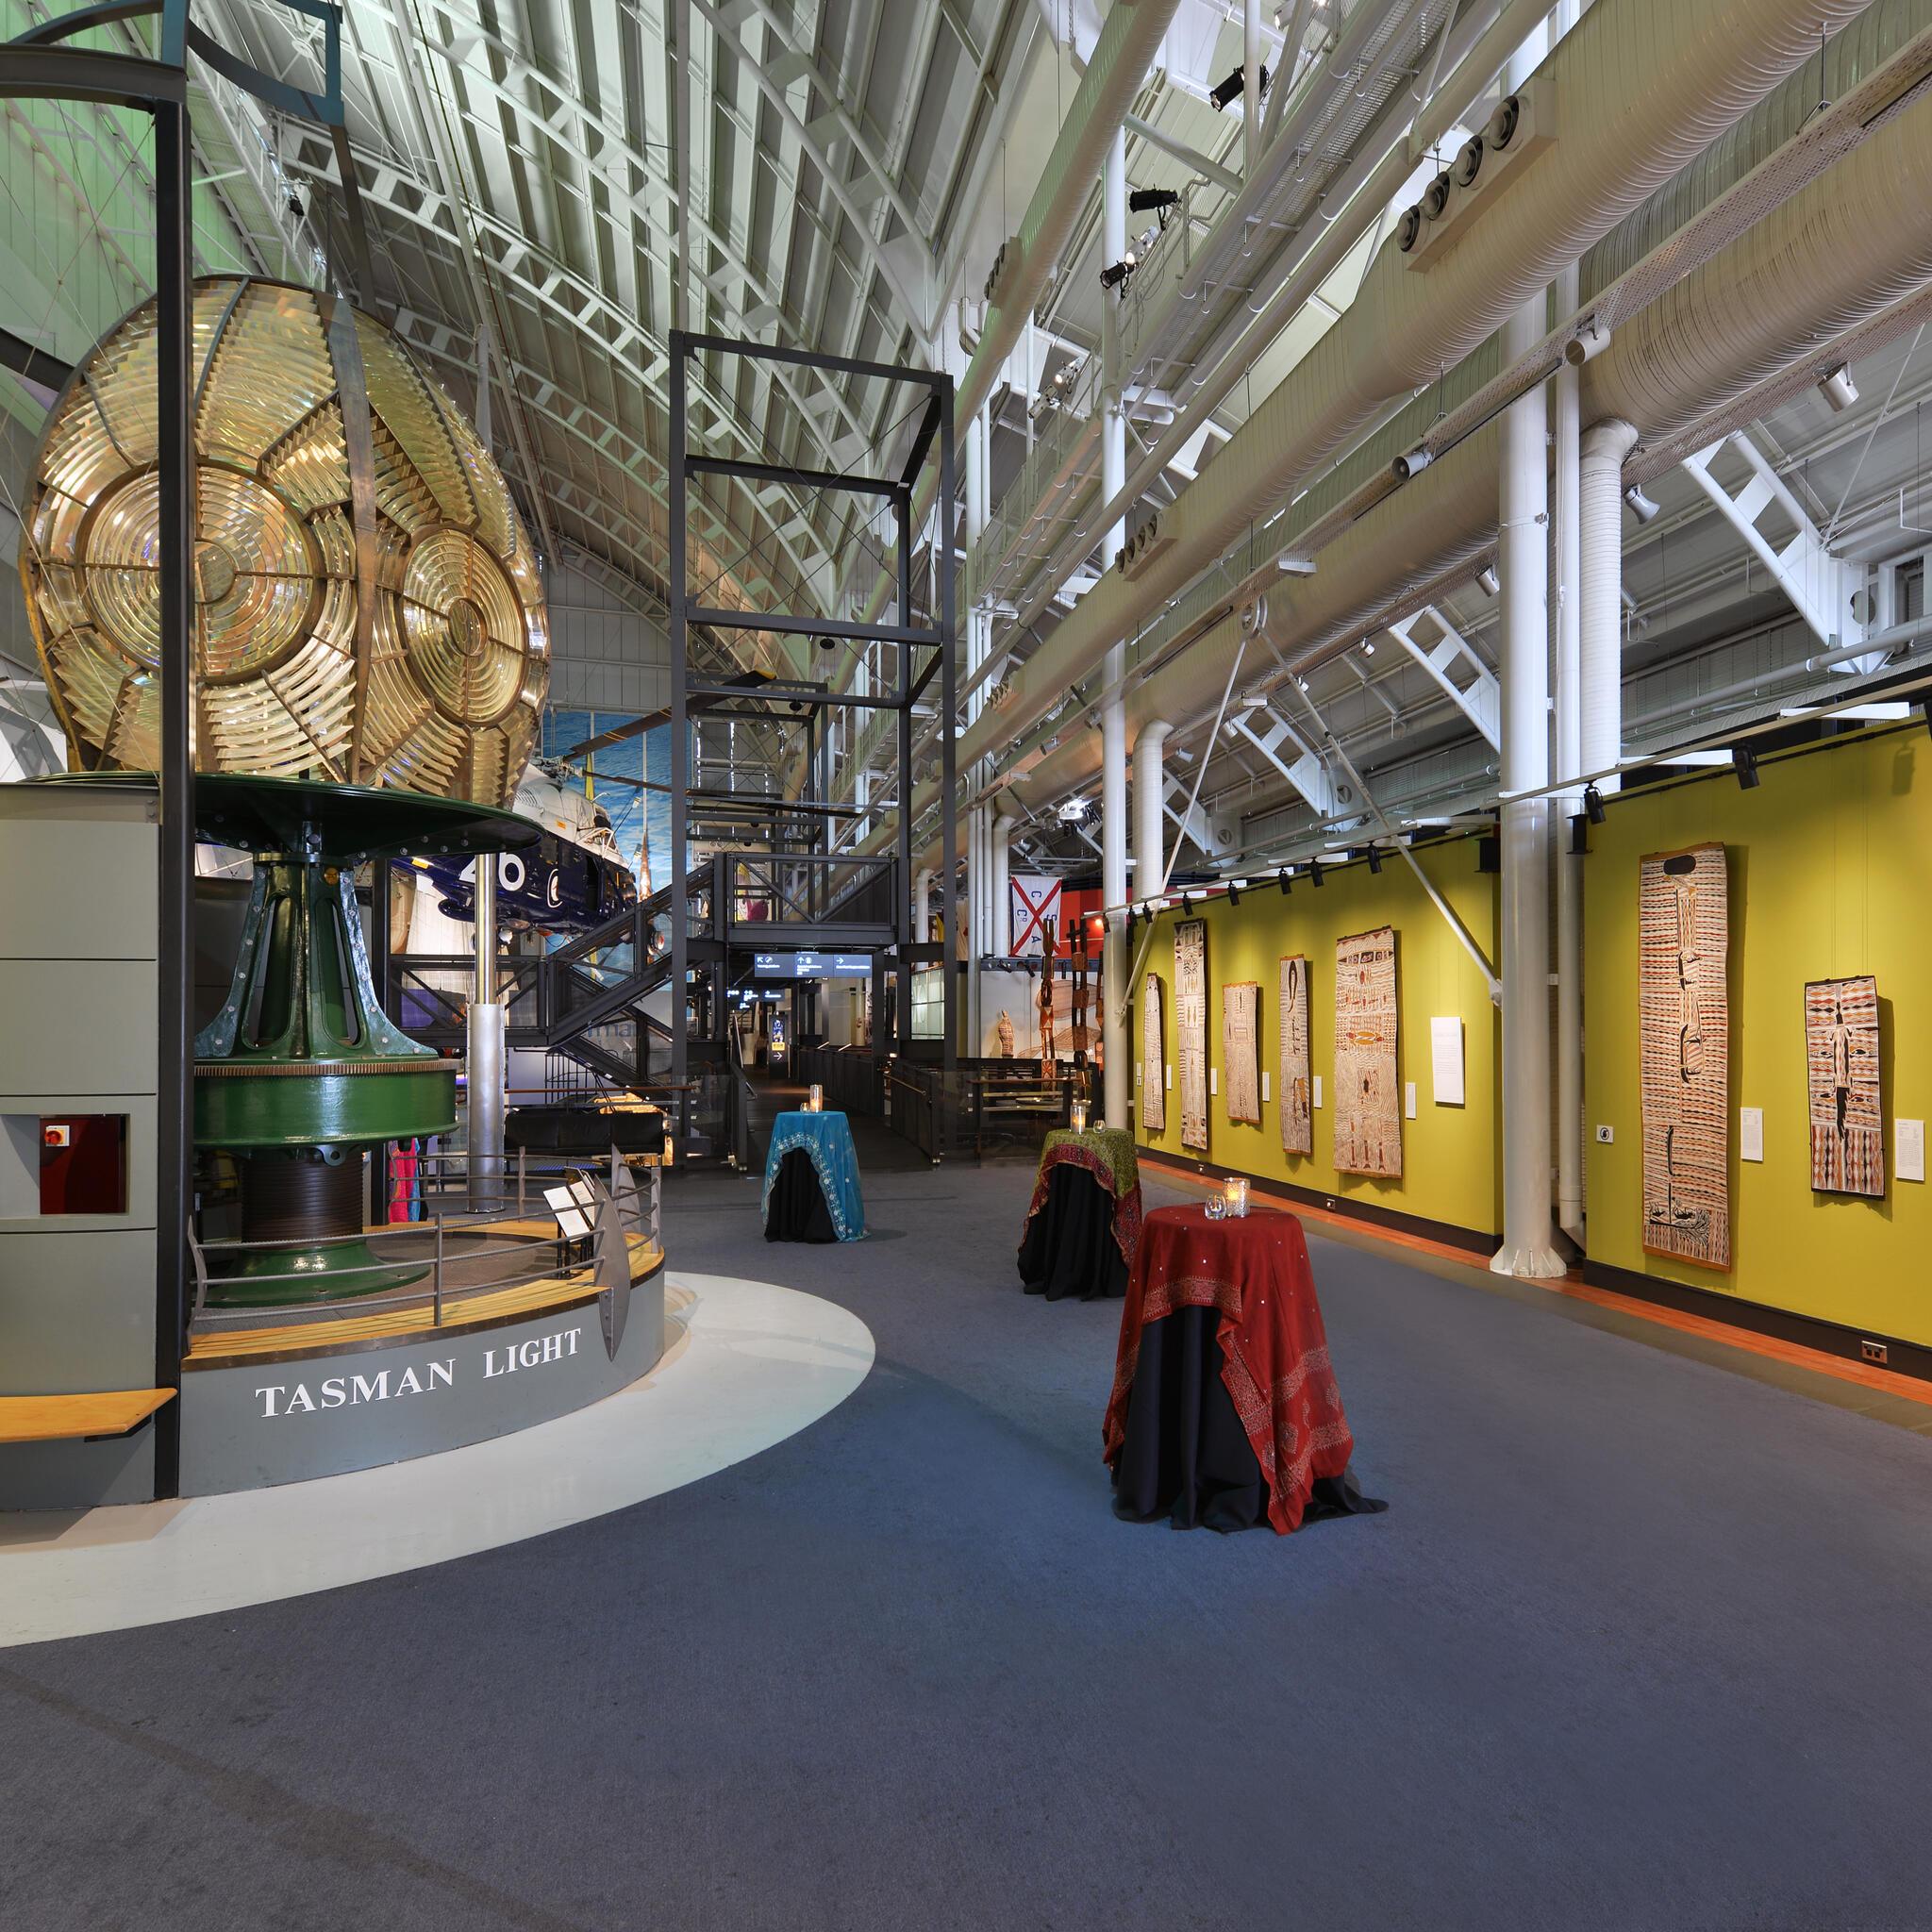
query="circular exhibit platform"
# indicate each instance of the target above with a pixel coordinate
(746, 1364)
(334, 1389)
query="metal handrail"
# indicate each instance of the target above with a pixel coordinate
(634, 1209)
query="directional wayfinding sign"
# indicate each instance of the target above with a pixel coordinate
(811, 965)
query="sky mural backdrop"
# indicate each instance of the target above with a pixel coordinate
(642, 820)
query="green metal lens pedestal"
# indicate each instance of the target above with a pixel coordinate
(300, 1070)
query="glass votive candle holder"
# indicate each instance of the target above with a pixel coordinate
(815, 1098)
(1076, 1113)
(1235, 1194)
(1215, 1205)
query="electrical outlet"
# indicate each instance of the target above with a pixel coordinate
(1605, 1136)
(1874, 1352)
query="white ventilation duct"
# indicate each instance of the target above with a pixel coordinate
(1121, 56)
(1847, 248)
(1691, 69)
(1694, 70)
(1477, 46)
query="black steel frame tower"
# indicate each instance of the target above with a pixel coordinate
(934, 642)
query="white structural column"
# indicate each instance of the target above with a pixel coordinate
(1117, 1071)
(1150, 824)
(1251, 87)
(979, 918)
(1565, 655)
(975, 923)
(1523, 558)
(922, 906)
(1002, 940)
(483, 1068)
(1600, 631)
(1565, 547)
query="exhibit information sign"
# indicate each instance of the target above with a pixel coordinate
(1445, 1058)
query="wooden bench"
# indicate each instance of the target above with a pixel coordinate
(62, 1418)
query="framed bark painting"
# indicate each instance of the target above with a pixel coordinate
(1368, 1102)
(1241, 1050)
(1154, 1058)
(1190, 1026)
(1842, 1071)
(1297, 1116)
(1685, 1023)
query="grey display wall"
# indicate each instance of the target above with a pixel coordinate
(77, 1032)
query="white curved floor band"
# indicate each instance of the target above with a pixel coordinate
(754, 1364)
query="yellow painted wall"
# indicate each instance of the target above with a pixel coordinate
(1829, 877)
(1449, 1157)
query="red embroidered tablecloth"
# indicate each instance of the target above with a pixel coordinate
(1254, 1272)
(1107, 1155)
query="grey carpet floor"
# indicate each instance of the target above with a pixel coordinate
(1641, 1642)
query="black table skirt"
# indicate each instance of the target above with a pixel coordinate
(796, 1210)
(1186, 1456)
(1069, 1250)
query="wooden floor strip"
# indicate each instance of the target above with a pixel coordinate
(1572, 1285)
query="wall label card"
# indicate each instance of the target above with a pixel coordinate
(1445, 1058)
(1241, 1047)
(1908, 1149)
(1685, 1023)
(1750, 1133)
(1409, 1101)
(1191, 1023)
(1297, 1101)
(1368, 1116)
(1315, 1090)
(1841, 1073)
(1154, 1056)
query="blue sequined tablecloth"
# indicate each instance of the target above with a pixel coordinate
(827, 1139)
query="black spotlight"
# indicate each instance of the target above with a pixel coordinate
(1151, 201)
(1186, 904)
(1375, 858)
(1234, 892)
(798, 707)
(1594, 805)
(1315, 870)
(1283, 879)
(1489, 853)
(1744, 762)
(1131, 926)
(1579, 835)
(828, 643)
(1234, 87)
(1115, 276)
